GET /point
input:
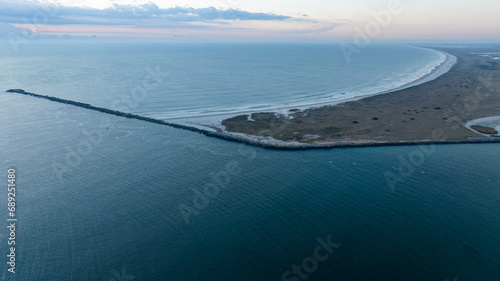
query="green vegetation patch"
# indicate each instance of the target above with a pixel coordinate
(484, 130)
(332, 130)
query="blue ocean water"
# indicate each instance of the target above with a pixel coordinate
(108, 198)
(198, 79)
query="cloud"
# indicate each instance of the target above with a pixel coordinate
(44, 19)
(23, 11)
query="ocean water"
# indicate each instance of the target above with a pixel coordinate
(200, 79)
(100, 198)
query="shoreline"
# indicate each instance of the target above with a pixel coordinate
(258, 143)
(435, 72)
(213, 122)
(396, 100)
(422, 105)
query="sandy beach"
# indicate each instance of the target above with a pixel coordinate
(444, 106)
(463, 88)
(215, 119)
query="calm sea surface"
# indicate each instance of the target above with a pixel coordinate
(194, 79)
(106, 198)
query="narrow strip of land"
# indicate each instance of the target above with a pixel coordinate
(434, 111)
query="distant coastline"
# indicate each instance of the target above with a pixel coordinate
(435, 71)
(212, 122)
(405, 115)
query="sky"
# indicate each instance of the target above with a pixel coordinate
(256, 20)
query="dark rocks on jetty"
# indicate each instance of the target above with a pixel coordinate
(244, 140)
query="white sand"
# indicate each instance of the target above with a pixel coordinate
(211, 121)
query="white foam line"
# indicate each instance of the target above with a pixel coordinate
(445, 63)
